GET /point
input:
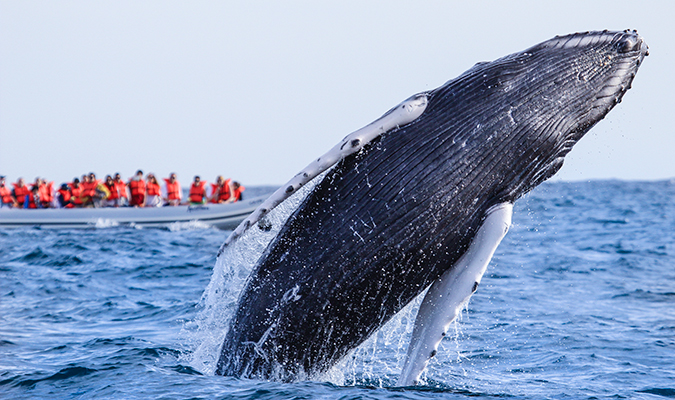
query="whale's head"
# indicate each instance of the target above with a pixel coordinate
(552, 93)
(589, 72)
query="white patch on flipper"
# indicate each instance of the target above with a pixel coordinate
(451, 291)
(404, 113)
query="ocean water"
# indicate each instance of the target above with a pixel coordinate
(578, 303)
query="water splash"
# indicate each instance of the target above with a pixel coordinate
(205, 334)
(102, 223)
(384, 351)
(188, 225)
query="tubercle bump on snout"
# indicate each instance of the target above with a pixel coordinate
(631, 42)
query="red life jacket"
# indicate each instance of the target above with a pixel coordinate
(224, 193)
(137, 187)
(153, 189)
(65, 194)
(76, 193)
(45, 193)
(197, 192)
(31, 200)
(214, 188)
(121, 189)
(237, 192)
(172, 190)
(5, 195)
(114, 192)
(89, 188)
(20, 193)
(49, 193)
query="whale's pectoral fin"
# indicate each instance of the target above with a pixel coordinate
(451, 291)
(404, 113)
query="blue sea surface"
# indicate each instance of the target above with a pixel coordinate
(578, 303)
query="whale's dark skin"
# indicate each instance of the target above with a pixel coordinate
(389, 220)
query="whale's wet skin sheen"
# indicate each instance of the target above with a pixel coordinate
(418, 199)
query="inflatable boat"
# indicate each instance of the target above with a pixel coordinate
(221, 216)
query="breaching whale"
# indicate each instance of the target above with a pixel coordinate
(418, 199)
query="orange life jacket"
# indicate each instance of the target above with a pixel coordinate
(31, 200)
(5, 195)
(214, 188)
(172, 190)
(89, 188)
(20, 193)
(76, 192)
(237, 192)
(220, 193)
(121, 189)
(65, 194)
(50, 191)
(137, 187)
(153, 189)
(45, 193)
(114, 192)
(224, 191)
(197, 192)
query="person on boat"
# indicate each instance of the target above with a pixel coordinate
(237, 190)
(39, 183)
(153, 192)
(101, 195)
(46, 190)
(88, 194)
(76, 193)
(113, 199)
(32, 199)
(123, 201)
(197, 192)
(227, 192)
(221, 191)
(64, 196)
(173, 191)
(6, 199)
(137, 189)
(20, 192)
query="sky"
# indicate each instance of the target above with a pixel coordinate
(256, 90)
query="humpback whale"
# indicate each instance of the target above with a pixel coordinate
(419, 199)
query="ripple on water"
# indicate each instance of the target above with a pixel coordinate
(35, 378)
(665, 392)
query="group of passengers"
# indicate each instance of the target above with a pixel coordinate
(114, 192)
